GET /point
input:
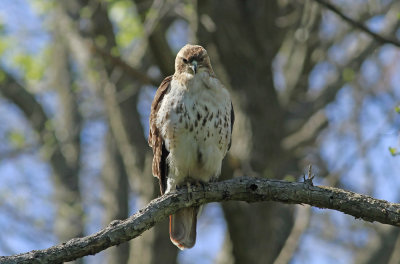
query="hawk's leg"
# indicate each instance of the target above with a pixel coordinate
(192, 183)
(189, 189)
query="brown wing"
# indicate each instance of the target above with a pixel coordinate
(232, 122)
(160, 153)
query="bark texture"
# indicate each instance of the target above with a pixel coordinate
(240, 189)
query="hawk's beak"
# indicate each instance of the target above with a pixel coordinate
(194, 66)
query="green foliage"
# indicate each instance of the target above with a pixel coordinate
(127, 21)
(393, 151)
(3, 46)
(32, 68)
(4, 41)
(43, 7)
(86, 12)
(348, 74)
(16, 139)
(289, 177)
(101, 41)
(189, 9)
(2, 77)
(29, 67)
(2, 29)
(267, 173)
(115, 51)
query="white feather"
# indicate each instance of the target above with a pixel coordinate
(195, 154)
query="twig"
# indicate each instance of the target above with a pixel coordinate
(238, 189)
(360, 26)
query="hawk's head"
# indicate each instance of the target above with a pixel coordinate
(192, 59)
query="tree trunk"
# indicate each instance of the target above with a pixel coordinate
(69, 220)
(258, 231)
(116, 197)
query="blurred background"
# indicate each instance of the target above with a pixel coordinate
(77, 79)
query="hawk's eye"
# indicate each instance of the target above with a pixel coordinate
(185, 60)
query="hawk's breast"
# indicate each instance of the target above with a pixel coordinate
(195, 124)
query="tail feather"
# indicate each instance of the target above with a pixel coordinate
(182, 227)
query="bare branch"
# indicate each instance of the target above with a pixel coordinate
(34, 112)
(64, 172)
(308, 132)
(238, 189)
(360, 26)
(117, 61)
(11, 89)
(118, 126)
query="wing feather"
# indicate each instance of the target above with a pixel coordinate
(232, 122)
(160, 153)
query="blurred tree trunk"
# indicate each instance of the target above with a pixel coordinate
(154, 247)
(383, 248)
(127, 133)
(69, 219)
(257, 231)
(114, 176)
(60, 141)
(116, 196)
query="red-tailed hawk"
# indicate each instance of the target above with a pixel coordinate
(191, 124)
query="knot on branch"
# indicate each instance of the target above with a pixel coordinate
(253, 187)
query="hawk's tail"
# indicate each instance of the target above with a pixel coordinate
(182, 227)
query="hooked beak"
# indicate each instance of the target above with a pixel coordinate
(193, 66)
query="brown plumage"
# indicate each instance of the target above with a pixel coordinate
(159, 166)
(191, 123)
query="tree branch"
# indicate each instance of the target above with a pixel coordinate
(12, 90)
(118, 61)
(360, 26)
(238, 189)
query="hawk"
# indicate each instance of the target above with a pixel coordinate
(191, 124)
